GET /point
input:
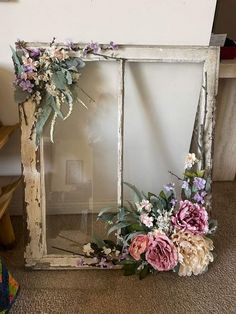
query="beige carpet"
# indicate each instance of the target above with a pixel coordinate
(108, 292)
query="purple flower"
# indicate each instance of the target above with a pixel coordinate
(199, 197)
(71, 45)
(169, 187)
(91, 48)
(113, 46)
(103, 263)
(185, 185)
(26, 85)
(34, 52)
(28, 68)
(124, 253)
(199, 183)
(80, 262)
(173, 201)
(191, 217)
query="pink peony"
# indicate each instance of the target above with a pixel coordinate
(161, 253)
(138, 246)
(191, 217)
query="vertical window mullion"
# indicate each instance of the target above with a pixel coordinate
(120, 132)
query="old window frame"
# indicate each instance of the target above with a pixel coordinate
(36, 256)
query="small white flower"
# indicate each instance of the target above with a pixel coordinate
(51, 89)
(139, 207)
(145, 204)
(117, 253)
(164, 221)
(59, 54)
(106, 250)
(37, 97)
(87, 249)
(155, 232)
(146, 220)
(190, 160)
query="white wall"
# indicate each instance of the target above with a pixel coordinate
(160, 22)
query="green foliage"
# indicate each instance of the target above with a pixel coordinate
(20, 95)
(143, 272)
(130, 269)
(59, 80)
(43, 115)
(118, 226)
(135, 190)
(189, 174)
(135, 227)
(200, 173)
(68, 76)
(187, 193)
(74, 64)
(98, 241)
(213, 225)
(16, 61)
(52, 102)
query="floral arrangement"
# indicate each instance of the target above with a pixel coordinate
(49, 75)
(159, 232)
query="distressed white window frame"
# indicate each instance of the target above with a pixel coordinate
(36, 256)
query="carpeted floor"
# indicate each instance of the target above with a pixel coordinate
(108, 292)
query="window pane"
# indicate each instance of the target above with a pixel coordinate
(160, 105)
(81, 165)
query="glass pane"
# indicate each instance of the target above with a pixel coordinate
(160, 106)
(81, 165)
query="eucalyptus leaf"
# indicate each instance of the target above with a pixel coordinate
(121, 214)
(18, 66)
(187, 193)
(107, 216)
(43, 116)
(74, 64)
(59, 80)
(104, 210)
(41, 121)
(136, 191)
(20, 95)
(98, 241)
(151, 195)
(118, 226)
(67, 76)
(132, 235)
(53, 104)
(132, 207)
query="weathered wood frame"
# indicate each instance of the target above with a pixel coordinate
(36, 256)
